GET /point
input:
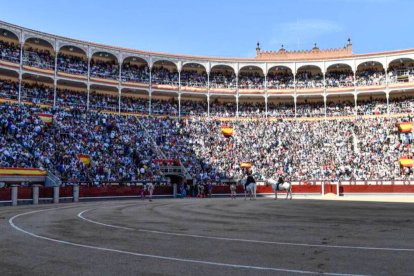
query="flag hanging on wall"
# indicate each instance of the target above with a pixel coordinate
(85, 159)
(406, 161)
(227, 131)
(46, 118)
(405, 127)
(245, 165)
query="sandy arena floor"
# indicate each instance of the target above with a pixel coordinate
(208, 237)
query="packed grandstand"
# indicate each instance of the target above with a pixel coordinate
(317, 114)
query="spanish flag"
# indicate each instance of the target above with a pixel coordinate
(406, 161)
(85, 159)
(46, 118)
(405, 127)
(245, 165)
(22, 172)
(227, 131)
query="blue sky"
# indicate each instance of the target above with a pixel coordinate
(222, 27)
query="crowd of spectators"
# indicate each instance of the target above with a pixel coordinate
(104, 69)
(281, 110)
(118, 146)
(67, 98)
(135, 73)
(251, 80)
(9, 52)
(336, 149)
(122, 148)
(401, 104)
(372, 106)
(37, 93)
(164, 76)
(401, 73)
(344, 108)
(370, 76)
(39, 58)
(193, 78)
(310, 109)
(280, 80)
(339, 79)
(72, 64)
(223, 79)
(309, 80)
(9, 89)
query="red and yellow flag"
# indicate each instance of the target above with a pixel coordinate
(245, 165)
(406, 161)
(85, 159)
(227, 131)
(405, 127)
(22, 172)
(46, 118)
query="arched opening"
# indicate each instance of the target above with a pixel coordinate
(72, 60)
(370, 73)
(9, 84)
(280, 77)
(281, 107)
(193, 75)
(310, 106)
(252, 107)
(371, 104)
(37, 89)
(339, 75)
(164, 103)
(340, 105)
(223, 106)
(222, 76)
(193, 105)
(134, 101)
(38, 53)
(164, 74)
(309, 76)
(401, 102)
(105, 66)
(71, 95)
(9, 46)
(103, 98)
(401, 70)
(251, 77)
(135, 69)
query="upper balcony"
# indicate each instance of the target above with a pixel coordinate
(270, 73)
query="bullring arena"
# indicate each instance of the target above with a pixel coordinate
(88, 129)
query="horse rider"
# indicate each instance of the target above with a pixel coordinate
(250, 179)
(280, 181)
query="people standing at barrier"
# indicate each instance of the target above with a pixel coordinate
(150, 190)
(233, 190)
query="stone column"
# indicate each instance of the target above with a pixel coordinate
(175, 190)
(14, 191)
(35, 194)
(56, 194)
(75, 193)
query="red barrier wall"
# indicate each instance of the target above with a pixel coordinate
(5, 194)
(24, 193)
(376, 189)
(85, 191)
(45, 192)
(66, 191)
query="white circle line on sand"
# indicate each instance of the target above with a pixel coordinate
(238, 266)
(81, 216)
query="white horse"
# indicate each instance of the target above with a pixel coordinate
(249, 189)
(285, 186)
